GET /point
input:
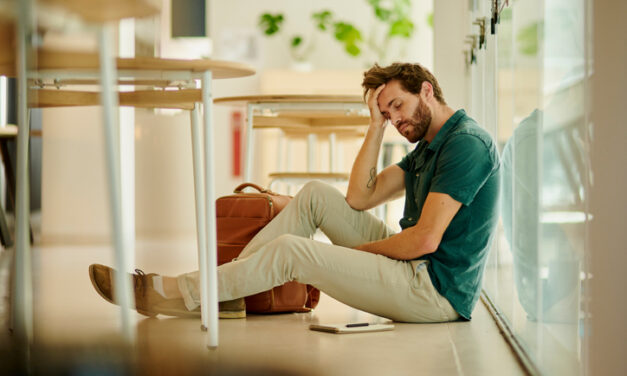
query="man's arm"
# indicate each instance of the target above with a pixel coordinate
(423, 238)
(366, 187)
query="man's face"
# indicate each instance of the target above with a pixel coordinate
(406, 111)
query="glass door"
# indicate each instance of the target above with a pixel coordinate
(528, 89)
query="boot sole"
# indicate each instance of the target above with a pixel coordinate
(166, 311)
(232, 314)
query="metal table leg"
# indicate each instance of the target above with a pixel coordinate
(123, 294)
(201, 226)
(23, 285)
(210, 267)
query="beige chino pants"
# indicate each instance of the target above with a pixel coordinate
(283, 251)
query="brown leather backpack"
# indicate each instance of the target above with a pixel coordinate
(239, 217)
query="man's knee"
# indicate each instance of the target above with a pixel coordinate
(286, 251)
(283, 246)
(316, 190)
(285, 241)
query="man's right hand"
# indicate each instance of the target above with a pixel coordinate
(376, 117)
(366, 187)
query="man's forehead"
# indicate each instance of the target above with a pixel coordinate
(391, 91)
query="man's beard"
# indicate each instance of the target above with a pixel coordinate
(419, 123)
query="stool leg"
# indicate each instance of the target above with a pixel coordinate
(280, 160)
(312, 140)
(250, 141)
(199, 189)
(212, 259)
(123, 293)
(332, 146)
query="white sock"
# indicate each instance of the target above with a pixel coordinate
(157, 284)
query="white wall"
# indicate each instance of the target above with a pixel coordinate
(449, 23)
(74, 193)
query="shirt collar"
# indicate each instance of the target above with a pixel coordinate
(441, 135)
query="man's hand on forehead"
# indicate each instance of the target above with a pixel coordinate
(372, 96)
(374, 93)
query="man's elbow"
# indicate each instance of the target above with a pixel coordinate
(430, 244)
(355, 203)
(424, 246)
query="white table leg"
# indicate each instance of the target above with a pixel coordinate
(312, 140)
(23, 284)
(201, 226)
(332, 146)
(212, 258)
(123, 293)
(250, 141)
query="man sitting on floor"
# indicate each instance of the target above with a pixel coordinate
(431, 271)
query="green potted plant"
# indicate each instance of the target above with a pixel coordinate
(392, 23)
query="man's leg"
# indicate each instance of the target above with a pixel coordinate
(319, 205)
(372, 283)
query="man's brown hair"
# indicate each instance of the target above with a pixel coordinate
(411, 77)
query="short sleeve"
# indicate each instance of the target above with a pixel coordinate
(404, 163)
(464, 164)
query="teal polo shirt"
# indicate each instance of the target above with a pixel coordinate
(463, 162)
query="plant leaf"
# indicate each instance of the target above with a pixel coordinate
(296, 41)
(270, 24)
(352, 49)
(323, 19)
(348, 35)
(345, 32)
(527, 38)
(380, 12)
(401, 28)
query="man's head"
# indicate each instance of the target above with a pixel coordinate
(408, 98)
(410, 76)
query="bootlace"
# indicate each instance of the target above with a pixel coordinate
(139, 282)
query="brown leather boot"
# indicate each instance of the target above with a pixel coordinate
(102, 278)
(149, 302)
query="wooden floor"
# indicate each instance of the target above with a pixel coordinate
(76, 331)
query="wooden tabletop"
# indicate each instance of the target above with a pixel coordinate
(288, 115)
(306, 123)
(178, 99)
(54, 60)
(79, 61)
(288, 98)
(292, 122)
